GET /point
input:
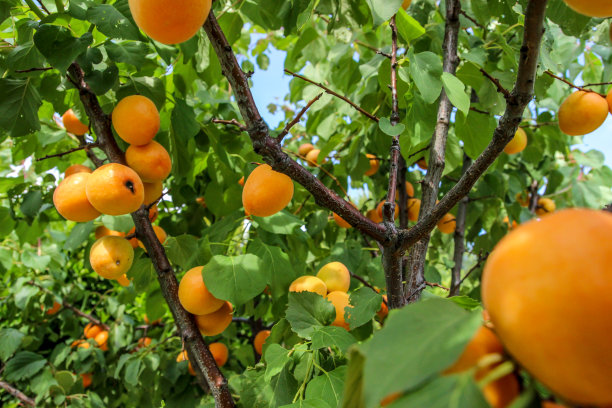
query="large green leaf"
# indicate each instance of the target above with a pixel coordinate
(10, 340)
(58, 45)
(235, 278)
(25, 364)
(275, 263)
(426, 70)
(328, 386)
(19, 106)
(383, 10)
(365, 303)
(112, 23)
(308, 312)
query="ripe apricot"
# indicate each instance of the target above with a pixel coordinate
(447, 224)
(379, 210)
(483, 343)
(123, 280)
(144, 342)
(110, 256)
(70, 199)
(86, 378)
(414, 207)
(409, 189)
(501, 392)
(159, 233)
(53, 310)
(83, 344)
(194, 296)
(152, 191)
(548, 297)
(259, 340)
(304, 149)
(545, 206)
(151, 161)
(422, 164)
(219, 352)
(384, 309)
(136, 119)
(115, 189)
(183, 357)
(266, 192)
(134, 242)
(101, 338)
(374, 165)
(170, 22)
(336, 276)
(201, 201)
(312, 157)
(102, 231)
(582, 113)
(373, 215)
(518, 142)
(406, 4)
(308, 283)
(241, 181)
(155, 322)
(216, 322)
(522, 199)
(73, 124)
(76, 168)
(591, 8)
(549, 404)
(91, 330)
(340, 300)
(153, 214)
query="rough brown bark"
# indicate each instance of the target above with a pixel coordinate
(459, 237)
(25, 400)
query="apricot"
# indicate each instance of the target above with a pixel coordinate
(507, 222)
(340, 300)
(159, 233)
(406, 4)
(259, 340)
(184, 357)
(144, 342)
(102, 231)
(266, 192)
(304, 149)
(170, 22)
(379, 210)
(546, 286)
(86, 378)
(374, 165)
(70, 199)
(409, 189)
(53, 310)
(545, 206)
(219, 352)
(414, 207)
(101, 338)
(134, 242)
(447, 224)
(336, 277)
(136, 119)
(308, 283)
(518, 142)
(609, 95)
(483, 343)
(123, 280)
(549, 404)
(216, 322)
(373, 215)
(422, 164)
(313, 158)
(151, 161)
(153, 214)
(591, 8)
(384, 309)
(91, 330)
(201, 201)
(110, 256)
(115, 189)
(155, 322)
(522, 199)
(241, 181)
(76, 168)
(502, 392)
(152, 191)
(340, 221)
(73, 124)
(83, 344)
(194, 296)
(582, 113)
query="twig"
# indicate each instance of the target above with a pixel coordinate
(337, 95)
(436, 285)
(154, 203)
(17, 394)
(376, 50)
(459, 237)
(500, 87)
(297, 118)
(76, 149)
(367, 284)
(479, 111)
(21, 71)
(472, 19)
(233, 122)
(317, 165)
(481, 259)
(549, 73)
(35, 9)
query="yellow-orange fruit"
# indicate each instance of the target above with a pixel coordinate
(340, 300)
(102, 231)
(101, 338)
(582, 113)
(133, 241)
(522, 199)
(379, 210)
(123, 280)
(83, 344)
(151, 161)
(507, 222)
(216, 322)
(549, 404)
(549, 299)
(414, 207)
(266, 192)
(159, 233)
(409, 189)
(336, 276)
(219, 352)
(422, 164)
(144, 342)
(115, 189)
(201, 201)
(374, 165)
(155, 322)
(136, 119)
(545, 206)
(110, 256)
(518, 142)
(86, 378)
(241, 181)
(73, 124)
(91, 330)
(183, 357)
(76, 168)
(152, 191)
(53, 310)
(304, 149)
(259, 340)
(501, 392)
(308, 283)
(170, 22)
(447, 224)
(384, 309)
(373, 215)
(483, 343)
(153, 213)
(313, 158)
(70, 199)
(406, 4)
(591, 8)
(194, 296)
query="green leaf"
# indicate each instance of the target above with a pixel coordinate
(184, 251)
(307, 312)
(78, 235)
(155, 304)
(184, 122)
(66, 380)
(133, 53)
(276, 358)
(454, 391)
(279, 271)
(235, 278)
(32, 260)
(132, 372)
(25, 56)
(59, 47)
(383, 10)
(455, 90)
(10, 340)
(308, 403)
(111, 22)
(426, 71)
(7, 223)
(328, 386)
(332, 336)
(280, 223)
(408, 28)
(385, 125)
(32, 201)
(101, 81)
(19, 106)
(25, 364)
(365, 304)
(475, 131)
(152, 88)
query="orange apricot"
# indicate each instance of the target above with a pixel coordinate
(545, 206)
(194, 296)
(548, 297)
(308, 283)
(522, 199)
(73, 124)
(170, 22)
(151, 161)
(518, 142)
(507, 222)
(219, 352)
(153, 213)
(384, 309)
(340, 221)
(312, 158)
(152, 191)
(76, 168)
(115, 189)
(70, 199)
(406, 4)
(373, 215)
(266, 192)
(414, 207)
(83, 344)
(110, 256)
(144, 342)
(53, 310)
(201, 201)
(340, 300)
(134, 242)
(501, 392)
(184, 357)
(374, 165)
(609, 95)
(483, 343)
(550, 404)
(304, 149)
(123, 280)
(259, 340)
(422, 164)
(582, 113)
(102, 231)
(91, 330)
(101, 338)
(136, 119)
(591, 8)
(216, 322)
(409, 189)
(241, 181)
(447, 224)
(336, 276)
(86, 378)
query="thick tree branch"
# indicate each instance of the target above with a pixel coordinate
(459, 237)
(197, 350)
(25, 400)
(267, 146)
(521, 95)
(437, 153)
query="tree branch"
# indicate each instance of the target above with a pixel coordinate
(549, 73)
(232, 122)
(497, 84)
(376, 50)
(459, 237)
(17, 394)
(86, 146)
(297, 118)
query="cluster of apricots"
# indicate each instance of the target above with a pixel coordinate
(544, 206)
(96, 333)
